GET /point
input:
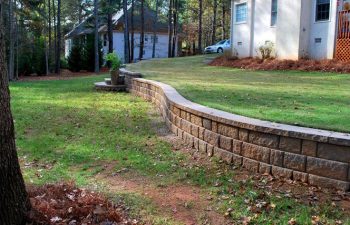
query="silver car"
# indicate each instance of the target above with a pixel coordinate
(219, 47)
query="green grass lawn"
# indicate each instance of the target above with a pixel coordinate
(66, 131)
(312, 99)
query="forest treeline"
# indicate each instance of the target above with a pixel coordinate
(35, 29)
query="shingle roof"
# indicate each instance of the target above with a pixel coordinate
(87, 26)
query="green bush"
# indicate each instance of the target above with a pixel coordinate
(114, 61)
(88, 53)
(75, 58)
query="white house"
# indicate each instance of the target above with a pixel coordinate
(161, 39)
(316, 29)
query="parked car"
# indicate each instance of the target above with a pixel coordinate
(219, 47)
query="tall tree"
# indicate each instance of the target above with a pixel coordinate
(58, 50)
(223, 23)
(13, 196)
(11, 70)
(132, 48)
(170, 27)
(155, 31)
(175, 27)
(200, 29)
(96, 39)
(126, 32)
(215, 7)
(142, 34)
(110, 26)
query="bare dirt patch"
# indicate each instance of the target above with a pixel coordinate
(334, 66)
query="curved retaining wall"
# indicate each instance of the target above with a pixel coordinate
(317, 157)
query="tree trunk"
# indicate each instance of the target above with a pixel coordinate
(175, 15)
(13, 196)
(200, 17)
(132, 48)
(155, 31)
(126, 33)
(213, 40)
(97, 56)
(55, 31)
(223, 21)
(58, 51)
(12, 42)
(142, 35)
(170, 27)
(49, 22)
(110, 28)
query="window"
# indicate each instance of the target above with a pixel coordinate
(241, 13)
(322, 10)
(274, 13)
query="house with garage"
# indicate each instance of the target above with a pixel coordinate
(161, 39)
(315, 29)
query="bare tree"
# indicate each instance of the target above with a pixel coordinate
(142, 35)
(58, 50)
(200, 18)
(12, 41)
(175, 26)
(126, 33)
(13, 196)
(155, 31)
(215, 7)
(223, 23)
(110, 26)
(97, 60)
(170, 27)
(132, 31)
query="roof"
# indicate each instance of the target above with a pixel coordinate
(87, 26)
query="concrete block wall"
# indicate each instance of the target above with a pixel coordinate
(318, 157)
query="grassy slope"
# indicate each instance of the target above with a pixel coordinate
(67, 131)
(312, 99)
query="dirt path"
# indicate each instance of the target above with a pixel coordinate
(185, 204)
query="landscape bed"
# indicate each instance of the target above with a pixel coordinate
(310, 99)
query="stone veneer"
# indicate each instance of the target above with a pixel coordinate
(317, 157)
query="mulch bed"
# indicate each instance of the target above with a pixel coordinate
(333, 66)
(66, 204)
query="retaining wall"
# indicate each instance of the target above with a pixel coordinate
(317, 157)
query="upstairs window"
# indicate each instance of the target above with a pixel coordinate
(274, 13)
(322, 10)
(241, 13)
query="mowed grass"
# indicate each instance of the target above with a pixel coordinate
(66, 131)
(311, 99)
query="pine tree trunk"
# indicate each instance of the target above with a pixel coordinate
(58, 50)
(200, 17)
(213, 40)
(54, 32)
(126, 32)
(170, 27)
(175, 8)
(132, 48)
(13, 197)
(97, 57)
(155, 31)
(110, 28)
(142, 35)
(223, 21)
(12, 42)
(49, 23)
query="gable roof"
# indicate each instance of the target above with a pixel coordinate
(87, 26)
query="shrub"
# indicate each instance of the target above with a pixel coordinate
(75, 58)
(88, 53)
(114, 61)
(230, 55)
(266, 50)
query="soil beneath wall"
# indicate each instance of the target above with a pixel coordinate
(334, 66)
